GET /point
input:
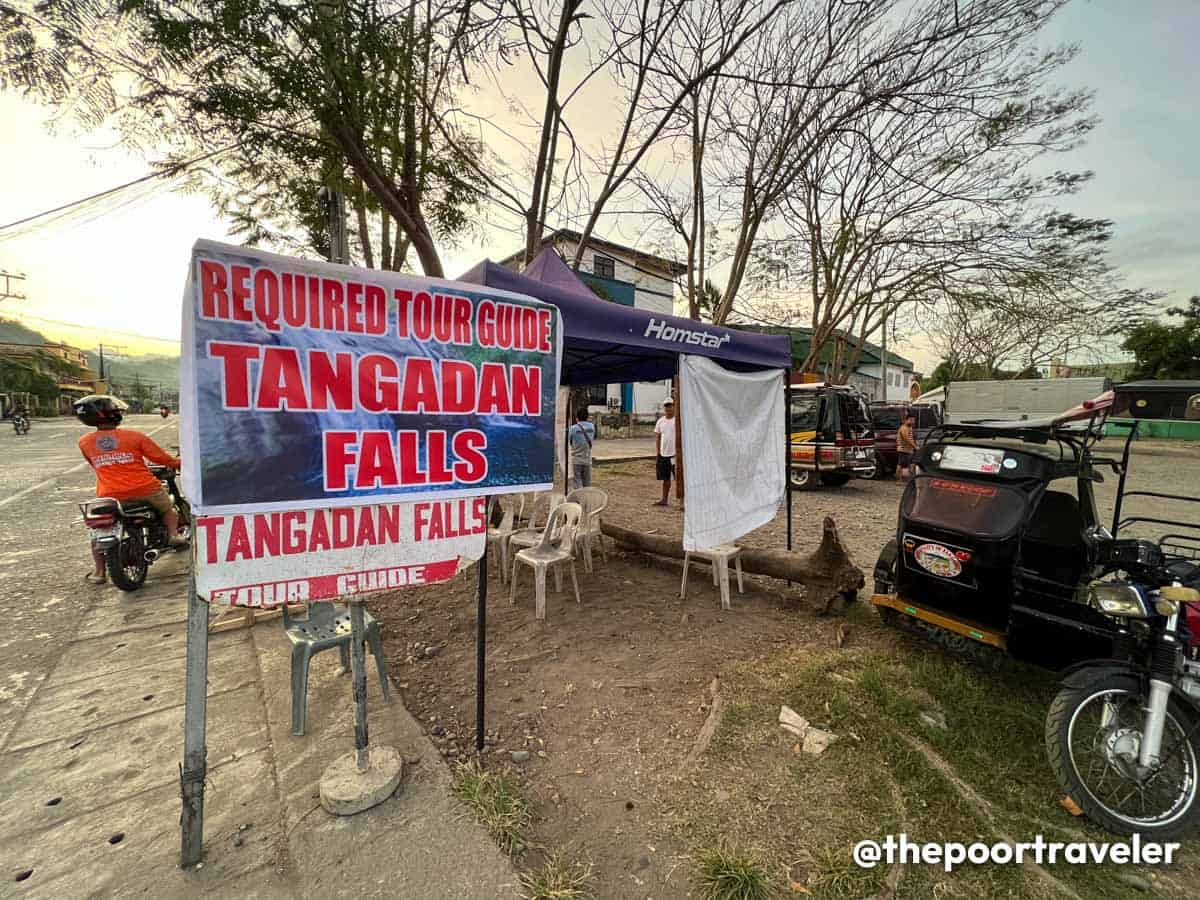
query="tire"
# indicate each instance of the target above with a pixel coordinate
(882, 471)
(834, 479)
(1072, 711)
(804, 480)
(126, 563)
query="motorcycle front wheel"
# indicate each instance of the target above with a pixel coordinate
(126, 563)
(1093, 735)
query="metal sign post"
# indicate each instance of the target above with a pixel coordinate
(481, 590)
(358, 670)
(195, 711)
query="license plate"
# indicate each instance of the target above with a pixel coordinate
(97, 533)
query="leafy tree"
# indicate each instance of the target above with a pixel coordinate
(281, 96)
(1164, 350)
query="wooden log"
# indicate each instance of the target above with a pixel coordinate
(828, 574)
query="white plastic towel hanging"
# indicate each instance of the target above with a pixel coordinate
(733, 465)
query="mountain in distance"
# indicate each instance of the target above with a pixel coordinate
(151, 369)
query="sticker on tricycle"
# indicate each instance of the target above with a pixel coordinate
(938, 560)
(972, 459)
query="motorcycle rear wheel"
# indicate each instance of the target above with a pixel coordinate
(1090, 759)
(126, 563)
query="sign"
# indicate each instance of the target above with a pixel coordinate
(938, 560)
(972, 459)
(267, 559)
(310, 385)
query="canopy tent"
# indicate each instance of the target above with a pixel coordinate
(605, 342)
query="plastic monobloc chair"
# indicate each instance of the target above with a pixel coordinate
(556, 548)
(326, 627)
(511, 506)
(594, 500)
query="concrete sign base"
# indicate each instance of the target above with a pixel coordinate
(345, 790)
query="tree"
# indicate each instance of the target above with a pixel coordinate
(1168, 351)
(350, 93)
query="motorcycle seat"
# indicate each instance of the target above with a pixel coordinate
(1185, 571)
(132, 507)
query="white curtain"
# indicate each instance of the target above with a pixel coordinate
(733, 450)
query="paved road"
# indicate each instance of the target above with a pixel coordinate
(91, 707)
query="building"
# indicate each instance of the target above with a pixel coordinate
(67, 366)
(632, 278)
(868, 375)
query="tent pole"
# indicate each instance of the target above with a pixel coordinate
(678, 436)
(481, 587)
(787, 453)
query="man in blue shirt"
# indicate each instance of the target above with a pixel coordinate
(581, 436)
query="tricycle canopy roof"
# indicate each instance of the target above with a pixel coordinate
(1178, 400)
(605, 342)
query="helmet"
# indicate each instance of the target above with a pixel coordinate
(100, 409)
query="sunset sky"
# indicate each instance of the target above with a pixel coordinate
(124, 271)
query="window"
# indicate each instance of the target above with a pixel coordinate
(604, 266)
(597, 395)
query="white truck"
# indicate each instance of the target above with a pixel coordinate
(966, 401)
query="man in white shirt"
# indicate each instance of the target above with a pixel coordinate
(664, 435)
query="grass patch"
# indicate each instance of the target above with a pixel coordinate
(731, 875)
(559, 878)
(498, 801)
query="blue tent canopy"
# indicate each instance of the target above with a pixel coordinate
(605, 342)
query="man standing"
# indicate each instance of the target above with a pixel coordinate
(581, 436)
(664, 435)
(906, 446)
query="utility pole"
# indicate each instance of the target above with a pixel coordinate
(883, 356)
(7, 292)
(112, 349)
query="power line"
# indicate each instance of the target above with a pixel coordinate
(168, 172)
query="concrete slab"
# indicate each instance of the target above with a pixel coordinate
(79, 858)
(93, 657)
(43, 786)
(79, 706)
(420, 843)
(155, 604)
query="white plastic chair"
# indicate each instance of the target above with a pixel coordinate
(593, 500)
(556, 548)
(719, 556)
(498, 535)
(531, 535)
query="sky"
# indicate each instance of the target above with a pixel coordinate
(119, 277)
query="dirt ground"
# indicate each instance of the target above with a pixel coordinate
(603, 701)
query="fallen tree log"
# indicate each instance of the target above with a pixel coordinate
(828, 574)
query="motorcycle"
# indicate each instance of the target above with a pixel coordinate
(132, 535)
(1123, 734)
(20, 423)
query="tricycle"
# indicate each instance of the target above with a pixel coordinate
(999, 543)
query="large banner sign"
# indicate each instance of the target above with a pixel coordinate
(343, 422)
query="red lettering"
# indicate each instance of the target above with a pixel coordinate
(472, 464)
(331, 381)
(378, 383)
(293, 538)
(403, 299)
(458, 386)
(529, 328)
(366, 528)
(410, 462)
(389, 524)
(209, 525)
(266, 299)
(239, 540)
(376, 462)
(478, 515)
(314, 302)
(280, 381)
(240, 294)
(354, 307)
(340, 455)
(214, 290)
(504, 326)
(343, 529)
(544, 320)
(376, 309)
(462, 320)
(437, 525)
(435, 458)
(318, 535)
(266, 535)
(493, 389)
(235, 371)
(293, 300)
(485, 323)
(420, 387)
(422, 316)
(526, 390)
(420, 520)
(333, 315)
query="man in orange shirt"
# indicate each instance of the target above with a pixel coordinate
(118, 455)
